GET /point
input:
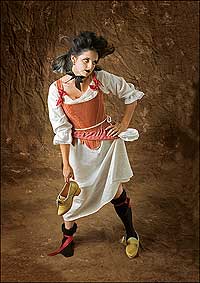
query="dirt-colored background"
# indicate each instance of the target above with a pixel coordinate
(157, 50)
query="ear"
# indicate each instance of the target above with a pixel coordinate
(73, 58)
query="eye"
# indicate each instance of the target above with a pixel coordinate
(86, 60)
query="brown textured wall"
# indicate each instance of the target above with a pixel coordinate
(156, 49)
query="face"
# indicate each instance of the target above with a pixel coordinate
(85, 63)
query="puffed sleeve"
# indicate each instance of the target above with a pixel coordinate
(118, 86)
(60, 124)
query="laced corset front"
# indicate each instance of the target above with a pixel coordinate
(88, 118)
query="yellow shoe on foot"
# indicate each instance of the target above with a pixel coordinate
(64, 203)
(132, 246)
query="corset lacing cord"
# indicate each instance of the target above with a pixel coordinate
(108, 119)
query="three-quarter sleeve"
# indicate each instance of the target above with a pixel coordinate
(118, 86)
(60, 124)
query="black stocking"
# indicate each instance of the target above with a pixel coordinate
(123, 209)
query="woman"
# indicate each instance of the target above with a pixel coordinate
(92, 152)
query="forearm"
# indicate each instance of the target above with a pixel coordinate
(116, 129)
(128, 114)
(65, 148)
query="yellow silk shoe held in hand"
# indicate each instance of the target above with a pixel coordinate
(64, 203)
(132, 246)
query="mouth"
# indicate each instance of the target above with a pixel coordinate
(87, 71)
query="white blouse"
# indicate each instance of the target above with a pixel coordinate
(110, 84)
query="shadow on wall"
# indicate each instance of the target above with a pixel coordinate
(189, 140)
(184, 139)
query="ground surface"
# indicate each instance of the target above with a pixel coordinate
(31, 228)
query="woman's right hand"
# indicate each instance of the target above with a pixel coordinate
(68, 173)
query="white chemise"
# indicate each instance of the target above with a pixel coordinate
(99, 172)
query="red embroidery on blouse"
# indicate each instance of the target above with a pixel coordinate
(97, 83)
(61, 94)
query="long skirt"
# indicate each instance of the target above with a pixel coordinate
(98, 173)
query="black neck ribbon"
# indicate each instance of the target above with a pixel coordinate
(78, 79)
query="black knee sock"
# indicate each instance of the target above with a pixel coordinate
(123, 209)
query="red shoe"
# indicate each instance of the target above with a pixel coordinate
(67, 246)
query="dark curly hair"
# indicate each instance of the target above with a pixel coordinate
(86, 40)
